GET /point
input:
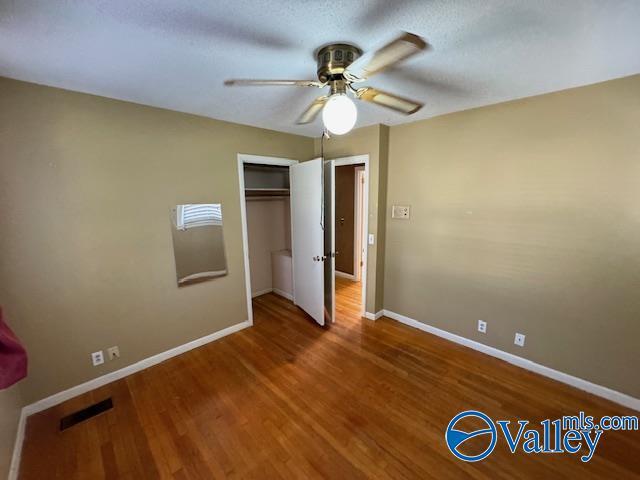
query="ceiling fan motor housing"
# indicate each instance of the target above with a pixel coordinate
(334, 59)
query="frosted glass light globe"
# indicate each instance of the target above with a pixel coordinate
(339, 114)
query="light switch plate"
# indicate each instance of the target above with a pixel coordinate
(402, 212)
(371, 239)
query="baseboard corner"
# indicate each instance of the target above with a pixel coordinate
(348, 276)
(282, 293)
(373, 316)
(261, 292)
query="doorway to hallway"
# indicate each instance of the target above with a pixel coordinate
(349, 230)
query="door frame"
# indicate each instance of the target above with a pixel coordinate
(359, 241)
(260, 160)
(355, 160)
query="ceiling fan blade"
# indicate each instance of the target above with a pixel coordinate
(243, 82)
(389, 100)
(312, 111)
(403, 47)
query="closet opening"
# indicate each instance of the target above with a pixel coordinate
(265, 195)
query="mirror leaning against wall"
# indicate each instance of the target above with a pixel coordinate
(198, 243)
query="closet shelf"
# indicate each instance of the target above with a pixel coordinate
(266, 192)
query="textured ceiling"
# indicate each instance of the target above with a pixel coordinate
(175, 54)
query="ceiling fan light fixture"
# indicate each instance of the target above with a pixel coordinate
(341, 68)
(339, 114)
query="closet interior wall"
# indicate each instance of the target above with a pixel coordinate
(269, 229)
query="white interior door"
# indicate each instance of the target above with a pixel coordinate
(307, 237)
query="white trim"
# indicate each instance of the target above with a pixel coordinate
(277, 291)
(358, 227)
(261, 160)
(17, 447)
(245, 241)
(282, 293)
(595, 389)
(373, 316)
(354, 160)
(72, 392)
(331, 224)
(85, 387)
(261, 292)
(346, 275)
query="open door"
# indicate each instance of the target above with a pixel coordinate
(307, 237)
(329, 241)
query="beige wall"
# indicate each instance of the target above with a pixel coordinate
(268, 230)
(86, 184)
(526, 215)
(10, 406)
(374, 142)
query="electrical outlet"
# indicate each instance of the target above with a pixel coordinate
(97, 358)
(113, 353)
(400, 211)
(519, 340)
(482, 326)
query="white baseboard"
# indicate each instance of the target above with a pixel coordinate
(277, 291)
(374, 316)
(72, 392)
(17, 447)
(128, 370)
(346, 275)
(261, 292)
(604, 392)
(282, 293)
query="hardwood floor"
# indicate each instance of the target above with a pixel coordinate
(348, 300)
(287, 399)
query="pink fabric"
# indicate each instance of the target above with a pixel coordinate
(13, 357)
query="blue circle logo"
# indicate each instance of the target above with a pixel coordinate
(455, 438)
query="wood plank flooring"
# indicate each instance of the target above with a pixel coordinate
(287, 399)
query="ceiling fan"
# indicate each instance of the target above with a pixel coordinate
(341, 66)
